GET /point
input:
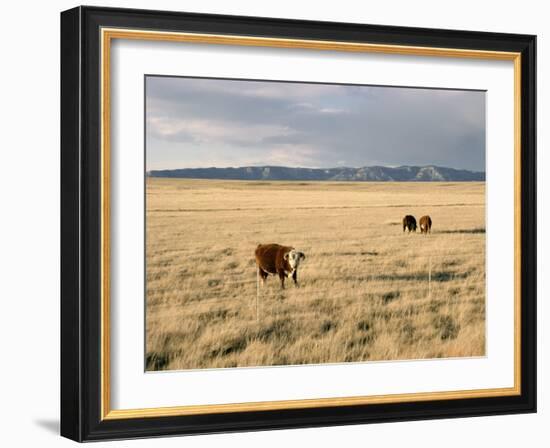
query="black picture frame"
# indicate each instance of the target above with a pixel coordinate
(81, 415)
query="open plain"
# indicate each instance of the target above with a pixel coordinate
(367, 290)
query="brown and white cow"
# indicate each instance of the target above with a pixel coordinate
(425, 224)
(278, 260)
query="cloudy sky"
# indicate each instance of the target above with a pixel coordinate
(192, 122)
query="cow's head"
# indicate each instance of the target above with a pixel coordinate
(294, 257)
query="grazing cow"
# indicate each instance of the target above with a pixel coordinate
(409, 222)
(278, 260)
(425, 224)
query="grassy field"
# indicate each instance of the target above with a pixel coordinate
(365, 291)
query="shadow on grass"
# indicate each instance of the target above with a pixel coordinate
(464, 231)
(437, 276)
(156, 361)
(364, 252)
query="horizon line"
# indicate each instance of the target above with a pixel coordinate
(315, 168)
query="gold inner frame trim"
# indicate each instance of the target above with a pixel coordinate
(107, 35)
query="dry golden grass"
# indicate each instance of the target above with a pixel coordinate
(364, 292)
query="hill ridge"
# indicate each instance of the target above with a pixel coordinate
(376, 173)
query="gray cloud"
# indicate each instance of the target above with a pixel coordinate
(194, 122)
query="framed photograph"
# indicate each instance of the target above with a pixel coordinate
(273, 223)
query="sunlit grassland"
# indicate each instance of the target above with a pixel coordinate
(367, 290)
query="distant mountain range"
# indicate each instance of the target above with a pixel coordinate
(428, 173)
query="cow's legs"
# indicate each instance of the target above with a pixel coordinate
(263, 274)
(282, 277)
(295, 277)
